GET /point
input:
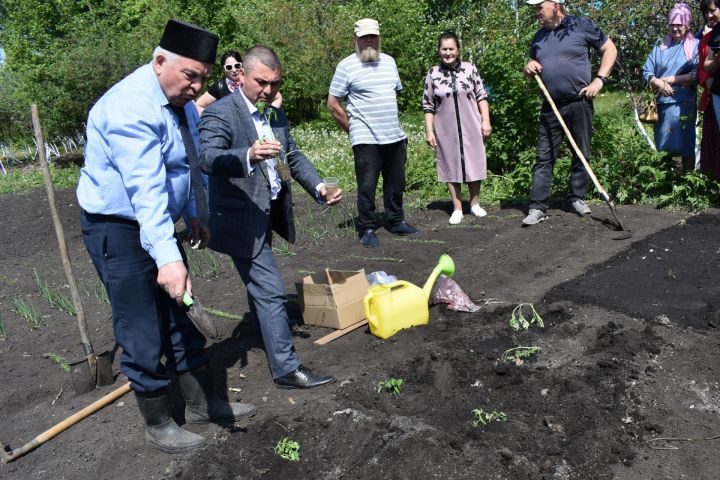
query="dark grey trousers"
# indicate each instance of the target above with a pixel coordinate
(578, 117)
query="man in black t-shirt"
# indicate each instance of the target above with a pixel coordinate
(560, 53)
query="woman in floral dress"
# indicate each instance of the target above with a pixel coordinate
(457, 120)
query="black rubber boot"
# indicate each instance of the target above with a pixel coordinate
(161, 430)
(203, 405)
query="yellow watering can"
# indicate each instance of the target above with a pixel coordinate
(398, 305)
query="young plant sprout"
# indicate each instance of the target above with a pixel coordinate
(288, 449)
(518, 353)
(518, 320)
(60, 360)
(281, 167)
(391, 385)
(481, 417)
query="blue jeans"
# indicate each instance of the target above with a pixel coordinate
(148, 324)
(578, 116)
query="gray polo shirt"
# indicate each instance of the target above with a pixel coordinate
(564, 54)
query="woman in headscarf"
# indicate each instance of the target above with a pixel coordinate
(671, 71)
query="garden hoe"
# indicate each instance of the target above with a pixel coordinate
(600, 189)
(9, 455)
(94, 370)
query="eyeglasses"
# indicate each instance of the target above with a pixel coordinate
(236, 66)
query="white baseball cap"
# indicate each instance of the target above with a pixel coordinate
(537, 2)
(366, 26)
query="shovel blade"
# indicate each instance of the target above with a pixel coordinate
(202, 320)
(82, 380)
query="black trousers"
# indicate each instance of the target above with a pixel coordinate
(578, 117)
(370, 162)
(148, 324)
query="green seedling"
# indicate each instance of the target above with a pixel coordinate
(95, 289)
(481, 417)
(54, 298)
(378, 259)
(262, 107)
(282, 248)
(288, 449)
(391, 385)
(518, 353)
(29, 312)
(203, 263)
(222, 314)
(422, 240)
(518, 320)
(60, 360)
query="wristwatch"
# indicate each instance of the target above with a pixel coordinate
(602, 78)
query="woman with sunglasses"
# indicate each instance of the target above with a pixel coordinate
(231, 62)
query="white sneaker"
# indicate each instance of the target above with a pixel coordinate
(456, 217)
(580, 207)
(534, 217)
(478, 211)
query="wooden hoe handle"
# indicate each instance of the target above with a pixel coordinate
(8, 457)
(569, 136)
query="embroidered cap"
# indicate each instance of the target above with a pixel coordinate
(191, 41)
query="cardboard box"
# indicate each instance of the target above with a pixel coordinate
(333, 299)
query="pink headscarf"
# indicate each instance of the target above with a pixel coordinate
(680, 15)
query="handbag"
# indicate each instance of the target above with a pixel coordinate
(649, 113)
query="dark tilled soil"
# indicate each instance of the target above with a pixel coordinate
(629, 357)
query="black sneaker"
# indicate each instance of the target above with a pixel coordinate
(369, 239)
(403, 228)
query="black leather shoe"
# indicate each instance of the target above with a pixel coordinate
(403, 228)
(303, 378)
(369, 239)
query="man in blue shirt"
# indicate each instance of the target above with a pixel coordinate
(560, 53)
(136, 183)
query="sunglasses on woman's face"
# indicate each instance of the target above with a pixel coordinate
(236, 66)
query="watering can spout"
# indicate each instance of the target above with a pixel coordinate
(445, 266)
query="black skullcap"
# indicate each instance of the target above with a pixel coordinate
(191, 41)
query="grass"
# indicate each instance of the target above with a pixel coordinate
(30, 177)
(282, 248)
(29, 312)
(3, 330)
(94, 289)
(202, 263)
(54, 298)
(60, 360)
(378, 259)
(424, 241)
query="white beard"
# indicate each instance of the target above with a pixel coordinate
(368, 54)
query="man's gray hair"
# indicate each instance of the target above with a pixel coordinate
(260, 55)
(169, 56)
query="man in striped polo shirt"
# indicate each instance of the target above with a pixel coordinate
(368, 81)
